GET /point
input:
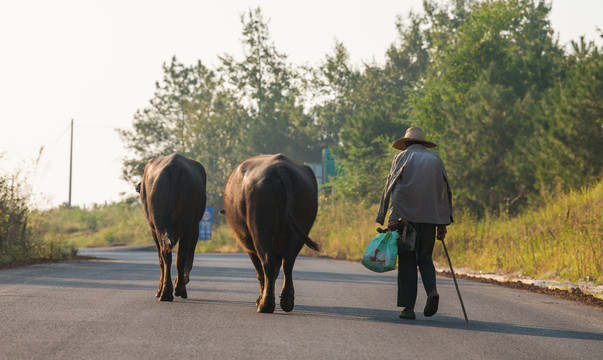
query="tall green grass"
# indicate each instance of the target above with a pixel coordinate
(121, 223)
(561, 240)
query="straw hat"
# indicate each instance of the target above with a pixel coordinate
(412, 134)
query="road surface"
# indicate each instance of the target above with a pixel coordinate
(106, 309)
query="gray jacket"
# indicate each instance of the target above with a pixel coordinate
(418, 186)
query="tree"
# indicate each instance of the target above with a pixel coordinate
(478, 99)
(327, 90)
(369, 131)
(222, 117)
(368, 109)
(570, 133)
(161, 128)
(191, 113)
(269, 90)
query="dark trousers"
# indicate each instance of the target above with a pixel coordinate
(408, 262)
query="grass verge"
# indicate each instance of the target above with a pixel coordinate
(561, 240)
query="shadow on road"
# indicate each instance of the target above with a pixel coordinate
(442, 321)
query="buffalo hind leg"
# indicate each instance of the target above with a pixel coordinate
(271, 267)
(181, 278)
(188, 265)
(260, 274)
(288, 293)
(167, 287)
(184, 263)
(160, 288)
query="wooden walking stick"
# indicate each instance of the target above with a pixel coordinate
(454, 278)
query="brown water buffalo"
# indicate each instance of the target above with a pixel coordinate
(172, 193)
(270, 203)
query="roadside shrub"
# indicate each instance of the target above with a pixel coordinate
(21, 232)
(14, 240)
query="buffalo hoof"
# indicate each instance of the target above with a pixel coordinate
(182, 293)
(287, 302)
(266, 307)
(257, 302)
(166, 297)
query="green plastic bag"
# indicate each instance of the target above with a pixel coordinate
(382, 252)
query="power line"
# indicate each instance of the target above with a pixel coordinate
(59, 137)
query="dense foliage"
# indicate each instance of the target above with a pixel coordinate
(22, 231)
(514, 114)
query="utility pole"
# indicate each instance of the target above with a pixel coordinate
(70, 164)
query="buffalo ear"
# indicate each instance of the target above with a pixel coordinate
(222, 212)
(138, 187)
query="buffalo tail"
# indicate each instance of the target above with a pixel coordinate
(286, 179)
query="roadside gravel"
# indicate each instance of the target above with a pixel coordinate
(586, 293)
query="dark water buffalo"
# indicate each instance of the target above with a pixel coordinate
(173, 198)
(270, 203)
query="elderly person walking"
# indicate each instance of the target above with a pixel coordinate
(418, 187)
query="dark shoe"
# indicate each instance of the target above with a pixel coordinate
(407, 313)
(431, 307)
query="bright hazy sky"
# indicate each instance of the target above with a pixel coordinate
(97, 61)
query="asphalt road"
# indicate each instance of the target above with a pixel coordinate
(106, 309)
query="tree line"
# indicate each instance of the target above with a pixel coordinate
(513, 112)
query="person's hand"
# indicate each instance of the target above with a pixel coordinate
(441, 232)
(392, 225)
